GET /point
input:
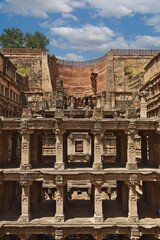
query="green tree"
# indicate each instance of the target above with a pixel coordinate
(36, 40)
(12, 38)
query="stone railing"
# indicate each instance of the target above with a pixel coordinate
(134, 52)
(20, 51)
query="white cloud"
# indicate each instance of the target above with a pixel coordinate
(154, 22)
(98, 38)
(86, 38)
(120, 8)
(72, 57)
(39, 8)
(69, 15)
(105, 8)
(56, 23)
(146, 42)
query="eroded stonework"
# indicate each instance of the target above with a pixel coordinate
(80, 162)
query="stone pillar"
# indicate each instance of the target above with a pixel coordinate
(98, 208)
(59, 164)
(131, 147)
(25, 150)
(143, 104)
(110, 84)
(132, 201)
(60, 199)
(98, 146)
(25, 202)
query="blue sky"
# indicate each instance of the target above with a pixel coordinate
(86, 29)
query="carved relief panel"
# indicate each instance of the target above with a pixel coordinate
(79, 147)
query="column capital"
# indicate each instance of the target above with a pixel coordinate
(23, 179)
(133, 180)
(59, 181)
(144, 93)
(135, 234)
(97, 182)
(59, 131)
(59, 235)
(26, 132)
(131, 131)
(27, 184)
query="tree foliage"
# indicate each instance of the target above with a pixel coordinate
(14, 38)
(37, 40)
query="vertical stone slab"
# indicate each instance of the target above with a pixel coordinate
(25, 202)
(143, 104)
(46, 80)
(132, 201)
(131, 147)
(98, 208)
(109, 80)
(60, 201)
(98, 145)
(59, 164)
(25, 150)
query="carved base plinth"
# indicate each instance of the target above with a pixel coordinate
(98, 218)
(59, 218)
(97, 166)
(59, 166)
(131, 166)
(25, 166)
(24, 218)
(133, 218)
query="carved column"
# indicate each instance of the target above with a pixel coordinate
(98, 208)
(59, 164)
(98, 146)
(131, 147)
(25, 150)
(25, 202)
(132, 201)
(143, 104)
(60, 199)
